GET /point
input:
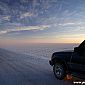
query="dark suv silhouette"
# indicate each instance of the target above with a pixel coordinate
(69, 62)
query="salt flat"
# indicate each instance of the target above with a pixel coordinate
(21, 69)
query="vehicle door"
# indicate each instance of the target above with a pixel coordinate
(78, 59)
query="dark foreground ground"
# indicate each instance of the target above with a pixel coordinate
(19, 69)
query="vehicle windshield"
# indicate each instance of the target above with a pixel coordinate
(82, 48)
(82, 45)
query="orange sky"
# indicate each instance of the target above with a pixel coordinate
(54, 39)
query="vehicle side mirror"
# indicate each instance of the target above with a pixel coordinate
(76, 49)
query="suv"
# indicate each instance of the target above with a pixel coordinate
(69, 62)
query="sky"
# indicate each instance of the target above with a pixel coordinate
(42, 21)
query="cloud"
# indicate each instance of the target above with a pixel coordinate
(3, 32)
(6, 18)
(76, 24)
(27, 14)
(65, 36)
(25, 28)
(66, 24)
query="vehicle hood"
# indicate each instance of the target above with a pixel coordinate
(63, 54)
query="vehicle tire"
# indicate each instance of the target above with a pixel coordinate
(59, 71)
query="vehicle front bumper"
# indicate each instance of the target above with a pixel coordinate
(51, 62)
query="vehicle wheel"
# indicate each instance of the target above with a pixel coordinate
(59, 71)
